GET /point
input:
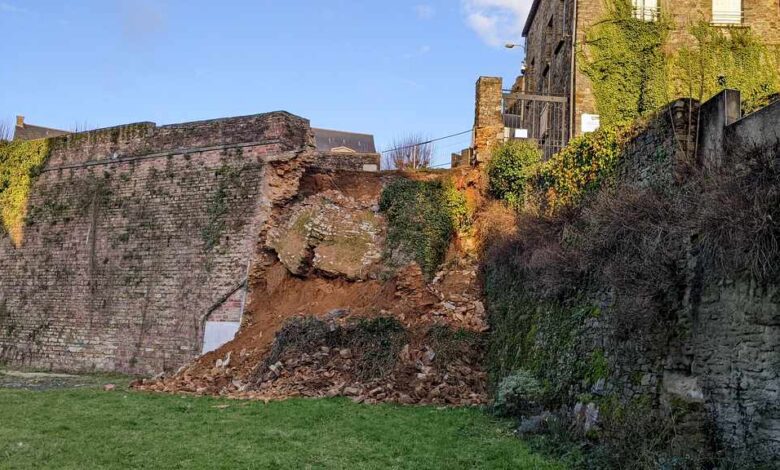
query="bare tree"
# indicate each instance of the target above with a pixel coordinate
(410, 152)
(5, 131)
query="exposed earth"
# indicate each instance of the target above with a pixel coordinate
(331, 313)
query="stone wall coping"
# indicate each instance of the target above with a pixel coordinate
(182, 152)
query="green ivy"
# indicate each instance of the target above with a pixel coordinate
(625, 61)
(20, 163)
(511, 167)
(218, 207)
(580, 168)
(634, 72)
(420, 221)
(461, 213)
(726, 58)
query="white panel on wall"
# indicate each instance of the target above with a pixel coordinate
(590, 122)
(218, 333)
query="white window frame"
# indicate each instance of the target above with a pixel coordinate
(727, 12)
(646, 10)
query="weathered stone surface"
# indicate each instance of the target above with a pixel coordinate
(331, 233)
(136, 233)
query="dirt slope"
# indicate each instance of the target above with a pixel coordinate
(327, 317)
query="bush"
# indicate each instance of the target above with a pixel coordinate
(511, 166)
(518, 394)
(420, 221)
(580, 168)
(461, 214)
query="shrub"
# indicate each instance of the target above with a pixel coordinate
(451, 345)
(461, 213)
(511, 166)
(738, 217)
(580, 168)
(375, 343)
(20, 161)
(420, 221)
(518, 394)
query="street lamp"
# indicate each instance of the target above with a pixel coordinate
(511, 45)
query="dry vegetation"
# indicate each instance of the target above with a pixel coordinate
(626, 246)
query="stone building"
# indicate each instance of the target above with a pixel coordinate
(555, 30)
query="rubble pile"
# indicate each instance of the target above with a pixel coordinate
(327, 318)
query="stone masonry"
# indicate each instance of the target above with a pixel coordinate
(488, 118)
(136, 234)
(552, 24)
(724, 350)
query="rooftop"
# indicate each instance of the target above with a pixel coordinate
(329, 140)
(24, 131)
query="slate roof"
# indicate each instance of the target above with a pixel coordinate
(327, 140)
(29, 132)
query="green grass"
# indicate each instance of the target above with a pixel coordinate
(121, 429)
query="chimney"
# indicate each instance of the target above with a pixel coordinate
(19, 121)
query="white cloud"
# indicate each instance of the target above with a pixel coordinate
(8, 8)
(425, 11)
(497, 22)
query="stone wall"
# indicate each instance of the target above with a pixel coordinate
(552, 24)
(135, 234)
(723, 349)
(343, 161)
(488, 118)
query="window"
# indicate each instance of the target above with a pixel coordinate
(727, 12)
(646, 10)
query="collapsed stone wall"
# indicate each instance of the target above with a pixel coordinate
(135, 234)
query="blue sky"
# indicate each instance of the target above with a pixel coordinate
(387, 68)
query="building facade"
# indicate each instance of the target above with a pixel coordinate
(556, 29)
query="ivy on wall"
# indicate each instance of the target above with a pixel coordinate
(517, 175)
(423, 217)
(20, 162)
(624, 59)
(634, 72)
(726, 58)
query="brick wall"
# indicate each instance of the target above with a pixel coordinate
(135, 233)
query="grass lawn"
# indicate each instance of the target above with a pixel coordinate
(88, 428)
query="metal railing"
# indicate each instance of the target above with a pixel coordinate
(541, 118)
(727, 17)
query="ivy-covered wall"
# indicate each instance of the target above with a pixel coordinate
(20, 163)
(646, 309)
(132, 235)
(628, 67)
